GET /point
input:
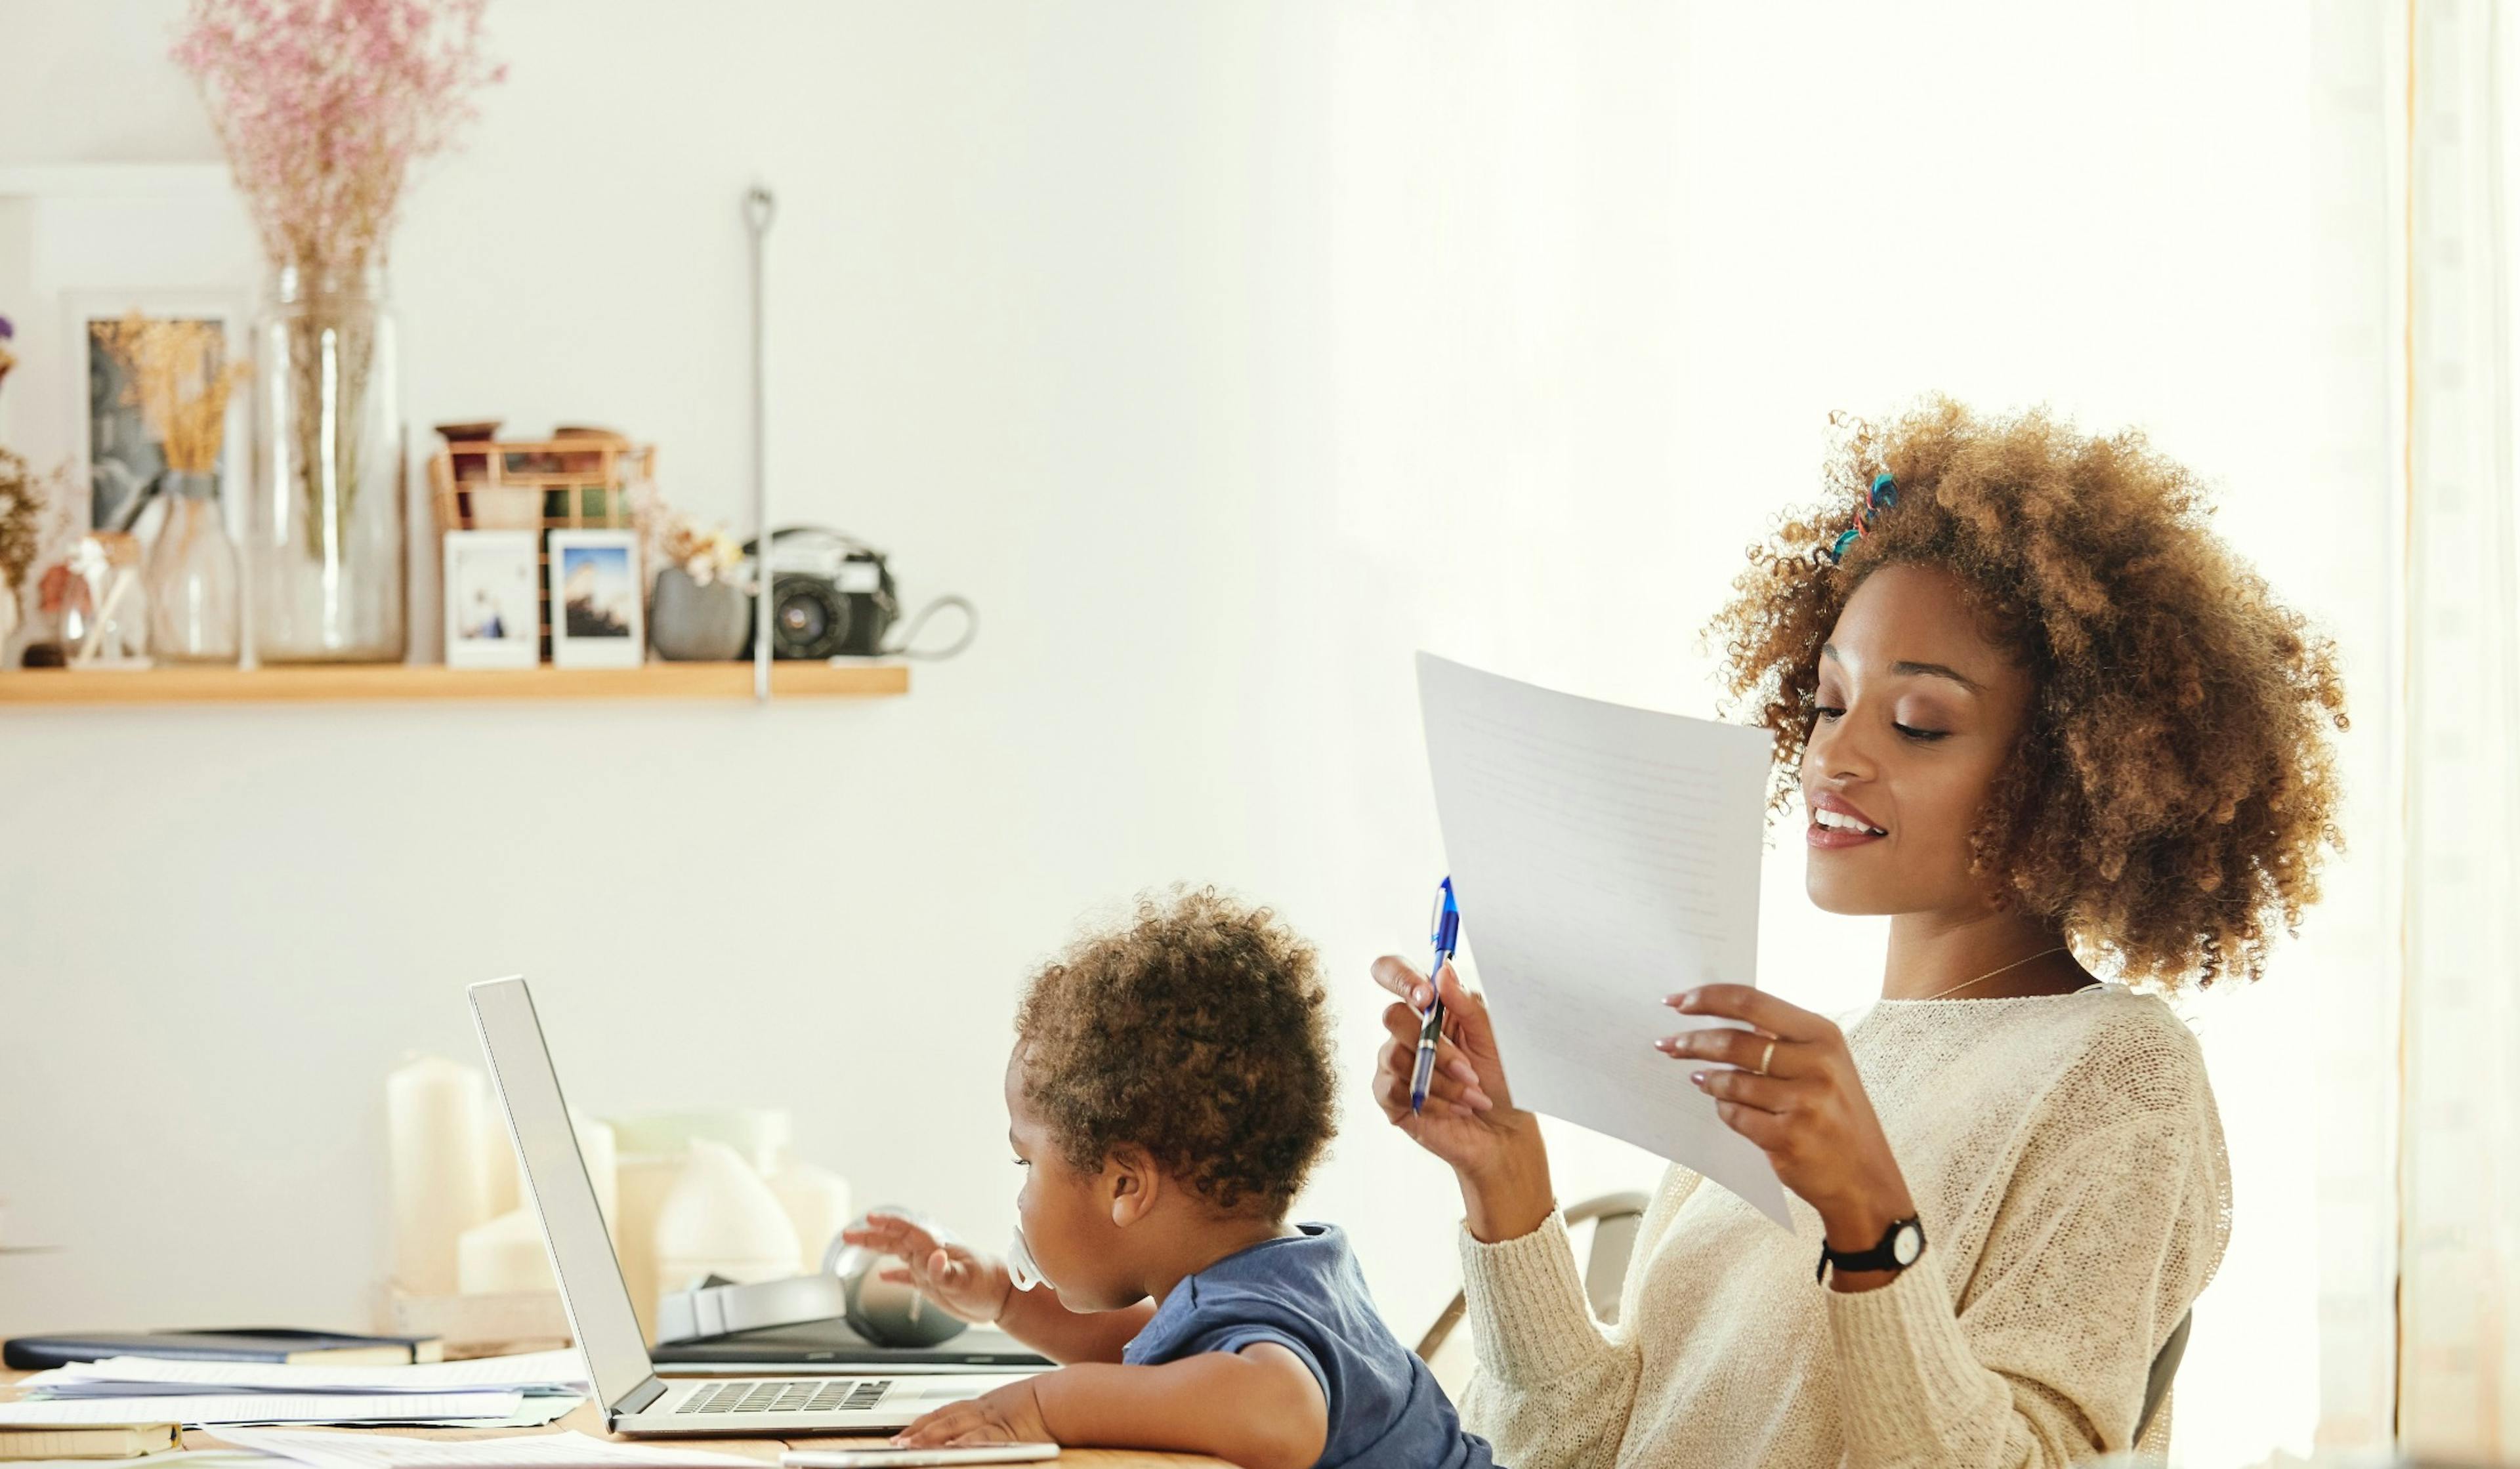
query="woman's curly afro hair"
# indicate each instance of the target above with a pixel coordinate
(1199, 1031)
(2173, 794)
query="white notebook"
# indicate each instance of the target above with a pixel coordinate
(209, 1410)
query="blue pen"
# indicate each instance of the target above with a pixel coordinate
(1446, 923)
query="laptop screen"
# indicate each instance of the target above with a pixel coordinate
(590, 1278)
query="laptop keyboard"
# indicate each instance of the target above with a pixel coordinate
(807, 1394)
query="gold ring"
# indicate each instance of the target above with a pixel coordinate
(1766, 1056)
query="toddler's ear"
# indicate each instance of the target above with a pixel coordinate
(1134, 1183)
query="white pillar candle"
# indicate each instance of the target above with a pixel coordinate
(817, 1202)
(502, 1172)
(504, 1254)
(434, 1145)
(642, 1182)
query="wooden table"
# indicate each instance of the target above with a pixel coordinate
(588, 1420)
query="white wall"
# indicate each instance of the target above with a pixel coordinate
(1223, 355)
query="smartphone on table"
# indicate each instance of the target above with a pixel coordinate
(904, 1458)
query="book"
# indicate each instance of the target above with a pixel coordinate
(103, 1440)
(277, 1344)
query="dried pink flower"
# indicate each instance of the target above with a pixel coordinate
(325, 105)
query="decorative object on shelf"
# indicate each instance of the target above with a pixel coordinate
(174, 375)
(101, 610)
(20, 535)
(8, 359)
(489, 504)
(50, 646)
(158, 383)
(492, 583)
(833, 596)
(698, 612)
(690, 621)
(191, 576)
(33, 514)
(596, 613)
(575, 483)
(321, 150)
(506, 506)
(328, 500)
(704, 552)
(474, 464)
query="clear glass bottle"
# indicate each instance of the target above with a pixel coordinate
(328, 490)
(192, 576)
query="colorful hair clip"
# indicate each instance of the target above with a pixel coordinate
(1883, 496)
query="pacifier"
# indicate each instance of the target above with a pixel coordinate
(1021, 1266)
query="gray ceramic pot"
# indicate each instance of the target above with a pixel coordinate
(689, 623)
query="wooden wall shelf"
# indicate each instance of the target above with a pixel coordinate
(389, 681)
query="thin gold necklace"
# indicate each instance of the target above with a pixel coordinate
(1990, 975)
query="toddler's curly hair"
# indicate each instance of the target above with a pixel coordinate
(2174, 792)
(1200, 1032)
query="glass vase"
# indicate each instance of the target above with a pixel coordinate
(192, 576)
(328, 495)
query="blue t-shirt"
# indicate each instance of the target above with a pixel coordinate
(1305, 1293)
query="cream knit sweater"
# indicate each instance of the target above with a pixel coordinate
(2067, 1164)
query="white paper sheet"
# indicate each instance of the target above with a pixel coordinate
(1604, 858)
(556, 1450)
(537, 1410)
(556, 1372)
(195, 1411)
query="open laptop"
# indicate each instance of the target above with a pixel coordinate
(635, 1400)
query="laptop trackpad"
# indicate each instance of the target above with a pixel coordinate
(929, 1392)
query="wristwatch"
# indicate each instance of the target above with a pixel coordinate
(1901, 1246)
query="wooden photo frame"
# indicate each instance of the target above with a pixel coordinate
(598, 600)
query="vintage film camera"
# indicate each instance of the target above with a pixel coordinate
(832, 595)
(829, 594)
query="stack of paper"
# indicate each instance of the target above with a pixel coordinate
(517, 1392)
(559, 1451)
(190, 1458)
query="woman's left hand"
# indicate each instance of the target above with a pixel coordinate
(1797, 1096)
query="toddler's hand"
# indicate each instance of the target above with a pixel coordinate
(1011, 1414)
(969, 1284)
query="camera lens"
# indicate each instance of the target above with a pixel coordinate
(803, 618)
(808, 619)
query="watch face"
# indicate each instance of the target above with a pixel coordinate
(1907, 1245)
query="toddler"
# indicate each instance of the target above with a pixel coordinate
(1170, 1087)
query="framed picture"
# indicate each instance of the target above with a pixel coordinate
(596, 617)
(115, 454)
(493, 614)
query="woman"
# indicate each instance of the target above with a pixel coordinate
(2038, 716)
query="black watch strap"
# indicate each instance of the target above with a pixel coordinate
(1902, 1245)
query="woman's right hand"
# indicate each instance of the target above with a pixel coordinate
(969, 1284)
(1469, 1119)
